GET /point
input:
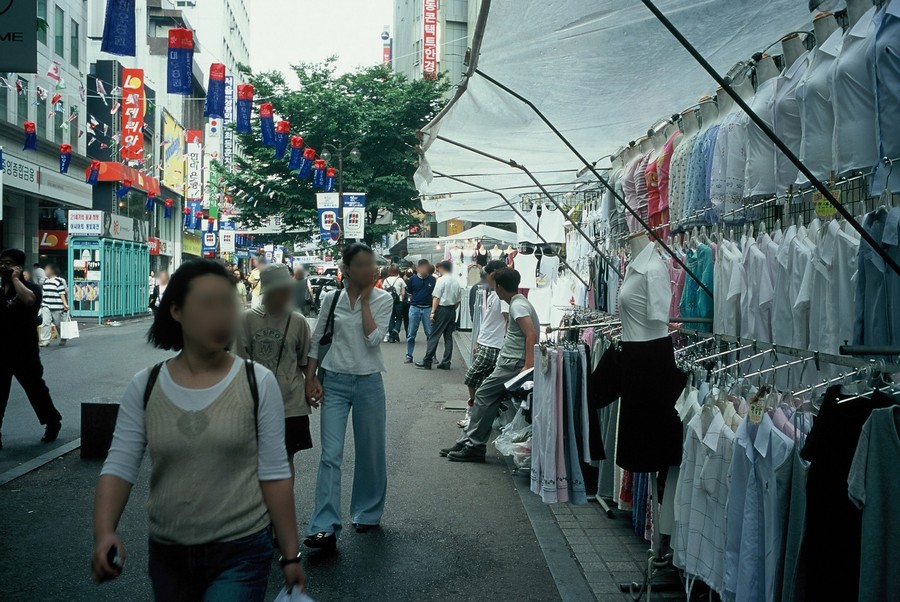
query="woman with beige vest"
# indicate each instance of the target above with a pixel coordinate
(214, 426)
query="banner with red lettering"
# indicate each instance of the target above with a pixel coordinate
(133, 114)
(430, 39)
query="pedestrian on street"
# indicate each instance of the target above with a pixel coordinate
(241, 288)
(395, 286)
(444, 303)
(420, 287)
(38, 274)
(409, 273)
(516, 356)
(55, 305)
(303, 293)
(20, 357)
(351, 379)
(253, 280)
(278, 337)
(204, 412)
(158, 290)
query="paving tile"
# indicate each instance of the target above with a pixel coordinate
(622, 566)
(606, 588)
(610, 551)
(566, 518)
(582, 549)
(589, 567)
(560, 509)
(628, 577)
(587, 558)
(578, 540)
(598, 576)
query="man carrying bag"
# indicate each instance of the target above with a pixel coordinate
(55, 307)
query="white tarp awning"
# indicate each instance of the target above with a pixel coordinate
(602, 73)
(482, 232)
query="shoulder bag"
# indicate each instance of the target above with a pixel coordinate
(328, 335)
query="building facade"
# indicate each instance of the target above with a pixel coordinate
(413, 48)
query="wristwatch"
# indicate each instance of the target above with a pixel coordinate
(286, 561)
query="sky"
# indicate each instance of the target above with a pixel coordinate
(283, 32)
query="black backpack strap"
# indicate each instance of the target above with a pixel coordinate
(151, 382)
(254, 388)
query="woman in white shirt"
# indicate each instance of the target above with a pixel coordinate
(351, 378)
(202, 412)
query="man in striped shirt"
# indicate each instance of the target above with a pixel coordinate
(55, 304)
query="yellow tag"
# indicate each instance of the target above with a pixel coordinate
(824, 208)
(757, 411)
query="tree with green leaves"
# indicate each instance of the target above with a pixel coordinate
(377, 109)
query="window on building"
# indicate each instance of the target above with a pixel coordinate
(74, 54)
(42, 14)
(59, 38)
(73, 126)
(40, 119)
(4, 103)
(418, 51)
(22, 102)
(60, 134)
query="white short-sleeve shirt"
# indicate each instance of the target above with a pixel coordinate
(645, 297)
(816, 110)
(787, 122)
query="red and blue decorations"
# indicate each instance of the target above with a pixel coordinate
(65, 157)
(168, 211)
(124, 189)
(30, 136)
(282, 134)
(267, 124)
(93, 173)
(306, 163)
(319, 174)
(244, 108)
(180, 61)
(151, 203)
(186, 218)
(210, 224)
(198, 217)
(215, 92)
(330, 174)
(296, 152)
(119, 28)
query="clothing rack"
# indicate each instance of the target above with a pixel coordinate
(818, 357)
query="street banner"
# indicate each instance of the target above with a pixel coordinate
(133, 114)
(227, 120)
(18, 48)
(328, 205)
(354, 215)
(209, 241)
(173, 153)
(215, 92)
(244, 108)
(119, 28)
(227, 236)
(194, 165)
(180, 61)
(2, 169)
(430, 39)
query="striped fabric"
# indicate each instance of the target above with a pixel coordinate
(54, 288)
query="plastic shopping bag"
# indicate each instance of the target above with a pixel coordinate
(295, 595)
(516, 436)
(68, 328)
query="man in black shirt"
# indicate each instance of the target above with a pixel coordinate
(20, 356)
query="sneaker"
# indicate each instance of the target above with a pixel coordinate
(458, 447)
(45, 344)
(321, 541)
(52, 432)
(423, 366)
(443, 366)
(467, 454)
(62, 342)
(408, 360)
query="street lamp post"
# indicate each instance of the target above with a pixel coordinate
(354, 156)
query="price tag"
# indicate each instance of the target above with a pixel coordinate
(757, 411)
(824, 208)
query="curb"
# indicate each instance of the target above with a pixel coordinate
(35, 463)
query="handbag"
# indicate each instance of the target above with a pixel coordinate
(68, 328)
(328, 335)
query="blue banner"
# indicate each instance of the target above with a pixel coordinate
(118, 28)
(215, 92)
(281, 142)
(65, 159)
(328, 205)
(180, 61)
(195, 207)
(209, 241)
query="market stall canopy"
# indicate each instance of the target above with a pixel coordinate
(602, 72)
(482, 232)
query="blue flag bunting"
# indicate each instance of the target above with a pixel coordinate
(118, 28)
(244, 108)
(215, 92)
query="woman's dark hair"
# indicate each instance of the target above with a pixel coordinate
(507, 278)
(494, 265)
(354, 249)
(165, 333)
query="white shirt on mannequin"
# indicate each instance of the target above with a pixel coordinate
(645, 297)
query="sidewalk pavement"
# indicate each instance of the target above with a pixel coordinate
(607, 551)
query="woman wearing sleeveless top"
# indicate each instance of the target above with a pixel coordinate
(220, 472)
(352, 380)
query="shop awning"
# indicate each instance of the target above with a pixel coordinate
(603, 73)
(111, 171)
(482, 232)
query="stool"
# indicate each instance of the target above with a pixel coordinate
(98, 421)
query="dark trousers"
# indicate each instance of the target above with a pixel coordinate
(233, 570)
(443, 326)
(396, 321)
(405, 315)
(29, 371)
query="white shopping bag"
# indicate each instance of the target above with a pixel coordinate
(295, 595)
(68, 328)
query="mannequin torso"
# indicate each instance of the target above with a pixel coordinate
(724, 103)
(856, 9)
(793, 48)
(708, 113)
(690, 123)
(824, 24)
(765, 69)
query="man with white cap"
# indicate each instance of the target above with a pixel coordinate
(278, 337)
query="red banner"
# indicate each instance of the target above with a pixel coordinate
(153, 245)
(430, 40)
(133, 114)
(52, 240)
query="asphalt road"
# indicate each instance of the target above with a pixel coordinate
(450, 532)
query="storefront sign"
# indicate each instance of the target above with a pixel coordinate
(210, 242)
(18, 36)
(173, 154)
(194, 165)
(328, 204)
(226, 241)
(153, 245)
(190, 244)
(212, 151)
(429, 41)
(124, 228)
(65, 189)
(21, 174)
(354, 215)
(52, 240)
(133, 114)
(166, 247)
(228, 119)
(85, 223)
(111, 171)
(386, 47)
